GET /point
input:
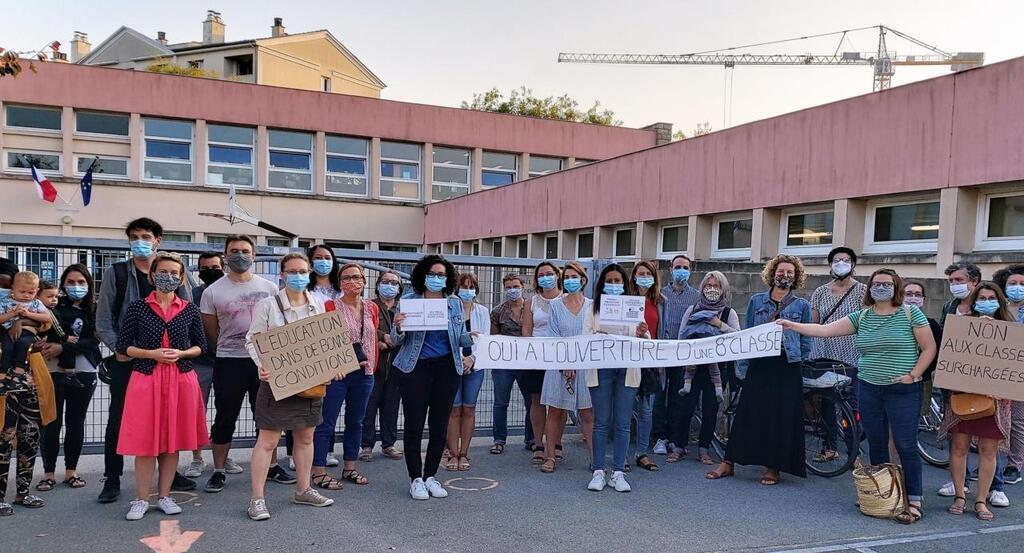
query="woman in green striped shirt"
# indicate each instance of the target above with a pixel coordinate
(896, 346)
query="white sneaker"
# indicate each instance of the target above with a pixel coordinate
(195, 468)
(418, 490)
(618, 481)
(169, 506)
(231, 467)
(137, 509)
(291, 463)
(598, 482)
(949, 491)
(998, 499)
(332, 461)
(660, 447)
(435, 488)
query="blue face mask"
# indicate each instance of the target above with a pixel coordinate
(435, 283)
(680, 275)
(323, 267)
(614, 289)
(646, 281)
(986, 307)
(76, 292)
(513, 294)
(388, 291)
(296, 283)
(547, 282)
(1015, 292)
(141, 248)
(5, 293)
(572, 285)
(467, 294)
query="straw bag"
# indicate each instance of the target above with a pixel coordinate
(881, 491)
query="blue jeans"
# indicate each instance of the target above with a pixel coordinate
(613, 412)
(643, 409)
(997, 480)
(354, 391)
(503, 380)
(469, 389)
(896, 407)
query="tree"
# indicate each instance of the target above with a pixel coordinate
(523, 102)
(678, 135)
(10, 61)
(169, 68)
(700, 130)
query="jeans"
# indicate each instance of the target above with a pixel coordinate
(233, 378)
(702, 389)
(354, 392)
(72, 406)
(613, 412)
(503, 380)
(384, 400)
(896, 407)
(643, 410)
(429, 388)
(204, 373)
(469, 389)
(113, 464)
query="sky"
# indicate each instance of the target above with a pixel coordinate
(442, 51)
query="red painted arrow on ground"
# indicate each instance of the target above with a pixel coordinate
(171, 538)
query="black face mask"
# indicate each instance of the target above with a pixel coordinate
(209, 276)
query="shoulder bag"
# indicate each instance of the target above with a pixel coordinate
(969, 407)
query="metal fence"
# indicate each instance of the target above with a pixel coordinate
(49, 256)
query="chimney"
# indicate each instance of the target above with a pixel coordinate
(278, 28)
(80, 46)
(213, 28)
(662, 132)
(161, 37)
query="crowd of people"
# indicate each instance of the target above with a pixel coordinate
(172, 341)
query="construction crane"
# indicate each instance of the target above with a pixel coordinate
(883, 60)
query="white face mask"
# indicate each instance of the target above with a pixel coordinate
(841, 269)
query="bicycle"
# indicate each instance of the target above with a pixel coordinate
(935, 452)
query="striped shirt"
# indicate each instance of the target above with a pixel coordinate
(676, 304)
(887, 346)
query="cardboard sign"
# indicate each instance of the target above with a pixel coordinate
(306, 353)
(424, 314)
(619, 310)
(982, 356)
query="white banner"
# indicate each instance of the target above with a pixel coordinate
(604, 351)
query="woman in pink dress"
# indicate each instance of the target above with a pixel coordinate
(163, 411)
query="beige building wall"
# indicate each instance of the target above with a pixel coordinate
(301, 62)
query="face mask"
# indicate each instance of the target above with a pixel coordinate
(841, 269)
(296, 283)
(166, 283)
(547, 282)
(572, 285)
(467, 294)
(784, 282)
(712, 294)
(645, 281)
(882, 293)
(5, 293)
(352, 288)
(919, 302)
(238, 262)
(513, 294)
(435, 283)
(388, 291)
(76, 292)
(986, 307)
(680, 275)
(959, 291)
(209, 276)
(614, 289)
(141, 248)
(323, 267)
(1015, 292)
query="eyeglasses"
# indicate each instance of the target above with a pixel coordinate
(296, 272)
(351, 278)
(438, 275)
(395, 282)
(913, 294)
(883, 285)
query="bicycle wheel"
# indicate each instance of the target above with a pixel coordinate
(726, 414)
(935, 452)
(830, 435)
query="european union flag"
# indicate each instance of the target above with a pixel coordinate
(87, 183)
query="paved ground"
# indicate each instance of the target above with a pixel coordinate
(504, 504)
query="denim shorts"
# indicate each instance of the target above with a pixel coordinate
(469, 389)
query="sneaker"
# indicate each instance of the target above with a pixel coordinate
(435, 488)
(281, 476)
(392, 452)
(258, 509)
(137, 509)
(598, 482)
(365, 455)
(182, 484)
(313, 498)
(418, 490)
(973, 476)
(618, 481)
(291, 463)
(169, 506)
(111, 490)
(216, 482)
(332, 461)
(231, 467)
(997, 498)
(949, 491)
(661, 447)
(195, 468)
(1011, 475)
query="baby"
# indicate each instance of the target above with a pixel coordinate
(49, 294)
(698, 326)
(23, 316)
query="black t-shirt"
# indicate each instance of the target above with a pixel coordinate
(145, 288)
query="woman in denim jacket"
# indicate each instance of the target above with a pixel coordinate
(768, 428)
(430, 371)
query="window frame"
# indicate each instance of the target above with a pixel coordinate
(514, 172)
(19, 129)
(252, 157)
(615, 241)
(520, 254)
(810, 249)
(592, 244)
(126, 137)
(731, 253)
(534, 174)
(310, 152)
(191, 152)
(26, 171)
(668, 254)
(930, 245)
(501, 247)
(419, 172)
(983, 242)
(104, 176)
(366, 167)
(468, 167)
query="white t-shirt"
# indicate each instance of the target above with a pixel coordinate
(232, 302)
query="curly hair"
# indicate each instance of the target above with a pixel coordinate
(419, 274)
(768, 273)
(1002, 275)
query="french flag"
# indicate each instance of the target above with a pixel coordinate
(44, 187)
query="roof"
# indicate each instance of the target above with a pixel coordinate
(122, 35)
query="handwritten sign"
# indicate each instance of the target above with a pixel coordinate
(982, 356)
(306, 353)
(424, 314)
(617, 310)
(602, 351)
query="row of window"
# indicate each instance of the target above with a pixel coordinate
(279, 242)
(168, 157)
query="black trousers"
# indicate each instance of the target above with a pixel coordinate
(427, 393)
(120, 373)
(667, 406)
(702, 389)
(233, 378)
(72, 406)
(384, 400)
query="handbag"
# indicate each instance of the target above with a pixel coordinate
(972, 406)
(44, 387)
(881, 490)
(316, 392)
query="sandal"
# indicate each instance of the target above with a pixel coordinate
(326, 482)
(538, 455)
(705, 459)
(391, 452)
(46, 484)
(5, 509)
(559, 454)
(74, 482)
(497, 449)
(30, 501)
(985, 515)
(769, 478)
(910, 516)
(548, 466)
(957, 508)
(354, 477)
(452, 464)
(724, 470)
(676, 456)
(645, 463)
(464, 463)
(825, 456)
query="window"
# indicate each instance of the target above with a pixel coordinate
(105, 167)
(451, 173)
(807, 231)
(230, 159)
(32, 117)
(672, 239)
(176, 237)
(45, 162)
(496, 248)
(93, 122)
(902, 226)
(499, 169)
(732, 237)
(168, 150)
(540, 165)
(399, 170)
(398, 248)
(455, 248)
(583, 162)
(345, 245)
(346, 165)
(522, 247)
(275, 242)
(217, 240)
(551, 247)
(291, 166)
(195, 64)
(585, 245)
(239, 65)
(325, 84)
(625, 245)
(476, 248)
(1001, 220)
